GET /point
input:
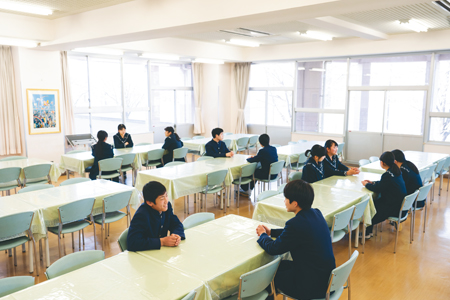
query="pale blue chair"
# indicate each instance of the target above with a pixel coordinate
(13, 158)
(204, 158)
(444, 165)
(190, 296)
(363, 162)
(35, 187)
(242, 144)
(10, 179)
(276, 145)
(215, 183)
(373, 159)
(14, 284)
(246, 176)
(36, 174)
(302, 141)
(275, 169)
(198, 219)
(185, 139)
(74, 181)
(127, 165)
(74, 261)
(252, 143)
(295, 175)
(281, 188)
(341, 223)
(228, 133)
(302, 159)
(422, 196)
(198, 137)
(265, 195)
(111, 165)
(154, 158)
(180, 153)
(340, 150)
(122, 241)
(143, 144)
(174, 163)
(227, 143)
(292, 143)
(358, 218)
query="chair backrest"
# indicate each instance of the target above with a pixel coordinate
(253, 140)
(185, 139)
(265, 195)
(76, 211)
(127, 159)
(423, 174)
(122, 241)
(73, 181)
(409, 201)
(13, 158)
(204, 158)
(110, 164)
(360, 208)
(292, 143)
(281, 188)
(156, 154)
(216, 178)
(14, 284)
(143, 144)
(75, 151)
(276, 145)
(431, 171)
(15, 224)
(180, 153)
(440, 165)
(339, 276)
(340, 148)
(174, 163)
(302, 158)
(276, 167)
(302, 141)
(9, 174)
(341, 219)
(295, 176)
(446, 165)
(37, 171)
(74, 261)
(34, 187)
(227, 143)
(248, 170)
(117, 201)
(228, 133)
(197, 137)
(423, 191)
(242, 142)
(198, 219)
(363, 162)
(190, 296)
(256, 281)
(374, 158)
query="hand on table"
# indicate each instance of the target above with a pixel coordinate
(364, 182)
(262, 229)
(352, 171)
(171, 241)
(229, 154)
(126, 144)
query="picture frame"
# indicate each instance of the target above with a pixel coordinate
(44, 114)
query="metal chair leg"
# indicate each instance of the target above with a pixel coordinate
(59, 245)
(396, 236)
(23, 248)
(73, 246)
(79, 240)
(425, 217)
(82, 231)
(15, 257)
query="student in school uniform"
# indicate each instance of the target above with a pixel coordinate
(153, 221)
(391, 190)
(101, 150)
(171, 143)
(410, 174)
(313, 169)
(216, 147)
(122, 139)
(266, 156)
(307, 237)
(331, 164)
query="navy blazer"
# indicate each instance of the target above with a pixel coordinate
(119, 142)
(106, 151)
(392, 191)
(307, 237)
(333, 167)
(170, 144)
(412, 180)
(312, 171)
(265, 156)
(216, 149)
(148, 226)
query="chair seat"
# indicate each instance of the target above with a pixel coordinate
(243, 181)
(33, 182)
(110, 217)
(395, 219)
(213, 190)
(71, 227)
(338, 235)
(109, 176)
(335, 296)
(241, 149)
(268, 180)
(153, 163)
(297, 168)
(420, 205)
(14, 242)
(127, 168)
(8, 186)
(260, 296)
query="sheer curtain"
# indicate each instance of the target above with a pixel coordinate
(197, 73)
(11, 126)
(67, 98)
(241, 73)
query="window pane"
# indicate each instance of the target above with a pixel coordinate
(135, 85)
(389, 71)
(405, 112)
(185, 107)
(79, 81)
(255, 108)
(272, 75)
(279, 108)
(441, 89)
(319, 122)
(107, 122)
(163, 108)
(81, 123)
(137, 121)
(105, 82)
(171, 75)
(366, 111)
(440, 129)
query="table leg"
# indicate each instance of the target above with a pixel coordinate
(30, 253)
(47, 252)
(68, 174)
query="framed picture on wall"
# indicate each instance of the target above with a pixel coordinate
(43, 111)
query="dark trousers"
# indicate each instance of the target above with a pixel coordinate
(384, 211)
(283, 279)
(259, 173)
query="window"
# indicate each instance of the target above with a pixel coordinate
(366, 111)
(255, 108)
(405, 112)
(440, 102)
(320, 122)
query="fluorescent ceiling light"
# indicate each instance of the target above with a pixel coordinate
(160, 56)
(31, 9)
(18, 42)
(94, 50)
(316, 35)
(209, 61)
(301, 68)
(243, 43)
(317, 70)
(413, 25)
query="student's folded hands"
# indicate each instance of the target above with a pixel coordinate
(262, 229)
(171, 241)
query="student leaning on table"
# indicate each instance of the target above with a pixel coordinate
(313, 170)
(307, 237)
(216, 147)
(331, 164)
(152, 221)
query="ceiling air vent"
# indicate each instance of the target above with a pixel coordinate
(247, 32)
(444, 4)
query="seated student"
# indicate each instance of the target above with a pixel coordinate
(266, 155)
(122, 139)
(331, 164)
(313, 170)
(153, 220)
(101, 150)
(217, 148)
(410, 174)
(171, 143)
(307, 237)
(391, 190)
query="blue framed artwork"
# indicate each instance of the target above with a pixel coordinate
(43, 111)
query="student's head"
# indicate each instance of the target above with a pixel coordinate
(102, 136)
(400, 159)
(217, 133)
(155, 196)
(331, 146)
(317, 152)
(168, 130)
(122, 129)
(264, 140)
(298, 193)
(387, 161)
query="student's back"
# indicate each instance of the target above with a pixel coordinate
(412, 180)
(100, 151)
(266, 156)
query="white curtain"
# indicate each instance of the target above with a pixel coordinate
(241, 73)
(67, 98)
(197, 73)
(11, 126)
